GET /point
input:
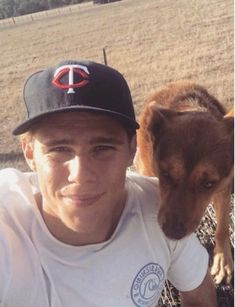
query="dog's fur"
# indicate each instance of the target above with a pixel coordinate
(186, 140)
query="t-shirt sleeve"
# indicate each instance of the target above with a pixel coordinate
(5, 269)
(189, 264)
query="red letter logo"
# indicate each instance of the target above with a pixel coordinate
(82, 77)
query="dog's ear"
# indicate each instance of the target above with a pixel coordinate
(158, 117)
(230, 113)
(229, 124)
(229, 121)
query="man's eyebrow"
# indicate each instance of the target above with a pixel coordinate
(93, 141)
(107, 140)
(57, 142)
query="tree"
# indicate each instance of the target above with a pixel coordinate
(7, 8)
(10, 8)
(54, 3)
(30, 7)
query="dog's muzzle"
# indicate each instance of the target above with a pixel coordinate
(175, 230)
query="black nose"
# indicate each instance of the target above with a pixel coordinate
(175, 230)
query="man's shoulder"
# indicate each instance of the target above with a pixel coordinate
(9, 177)
(144, 190)
(143, 183)
(14, 184)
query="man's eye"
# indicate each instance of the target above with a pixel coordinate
(101, 148)
(59, 149)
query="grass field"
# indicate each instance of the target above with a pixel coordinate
(150, 41)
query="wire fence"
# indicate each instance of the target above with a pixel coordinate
(44, 14)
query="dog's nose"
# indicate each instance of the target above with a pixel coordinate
(175, 230)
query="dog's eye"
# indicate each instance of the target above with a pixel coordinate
(208, 184)
(165, 174)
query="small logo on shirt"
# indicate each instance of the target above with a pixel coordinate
(147, 285)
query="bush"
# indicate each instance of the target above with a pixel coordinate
(30, 7)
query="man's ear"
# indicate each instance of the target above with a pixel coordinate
(27, 148)
(133, 146)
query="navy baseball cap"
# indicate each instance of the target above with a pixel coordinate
(77, 86)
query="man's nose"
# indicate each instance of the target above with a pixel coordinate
(80, 170)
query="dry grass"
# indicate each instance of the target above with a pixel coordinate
(150, 41)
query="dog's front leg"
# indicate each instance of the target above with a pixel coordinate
(222, 267)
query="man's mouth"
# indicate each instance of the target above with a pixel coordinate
(85, 200)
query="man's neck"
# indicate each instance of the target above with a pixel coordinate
(80, 238)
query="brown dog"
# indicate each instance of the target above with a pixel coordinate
(186, 140)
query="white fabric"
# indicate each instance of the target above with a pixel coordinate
(37, 270)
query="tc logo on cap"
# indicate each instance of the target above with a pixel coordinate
(76, 76)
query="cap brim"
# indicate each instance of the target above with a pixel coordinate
(26, 125)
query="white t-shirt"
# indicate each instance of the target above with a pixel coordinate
(37, 270)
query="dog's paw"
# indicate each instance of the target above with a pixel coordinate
(222, 267)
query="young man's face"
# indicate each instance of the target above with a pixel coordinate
(81, 161)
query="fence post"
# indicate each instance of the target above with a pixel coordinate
(105, 57)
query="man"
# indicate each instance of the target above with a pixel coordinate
(78, 230)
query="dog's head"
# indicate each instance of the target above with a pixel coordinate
(192, 154)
